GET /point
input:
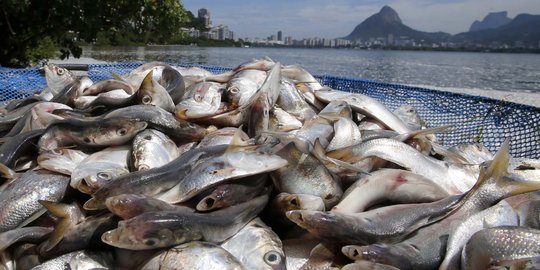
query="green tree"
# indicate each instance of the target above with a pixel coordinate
(35, 29)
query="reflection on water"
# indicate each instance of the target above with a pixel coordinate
(497, 71)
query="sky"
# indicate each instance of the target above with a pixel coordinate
(337, 18)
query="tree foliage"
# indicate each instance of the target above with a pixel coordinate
(36, 29)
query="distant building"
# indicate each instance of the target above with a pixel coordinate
(279, 36)
(204, 15)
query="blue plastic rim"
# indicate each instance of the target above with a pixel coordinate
(473, 119)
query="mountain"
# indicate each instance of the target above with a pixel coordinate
(492, 20)
(387, 22)
(524, 28)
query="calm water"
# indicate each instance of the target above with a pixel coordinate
(495, 71)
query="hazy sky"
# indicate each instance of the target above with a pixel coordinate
(337, 18)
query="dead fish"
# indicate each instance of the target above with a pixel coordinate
(422, 250)
(257, 247)
(229, 194)
(305, 174)
(385, 224)
(152, 149)
(61, 160)
(194, 255)
(153, 181)
(243, 86)
(202, 100)
(365, 105)
(57, 78)
(33, 234)
(128, 206)
(216, 170)
(168, 228)
(19, 202)
(159, 119)
(152, 93)
(500, 214)
(99, 133)
(504, 243)
(99, 168)
(394, 185)
(81, 259)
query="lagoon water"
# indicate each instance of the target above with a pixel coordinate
(500, 75)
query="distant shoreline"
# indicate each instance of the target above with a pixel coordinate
(172, 46)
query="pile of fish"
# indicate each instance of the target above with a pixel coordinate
(260, 167)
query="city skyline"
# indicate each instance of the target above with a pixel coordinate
(304, 19)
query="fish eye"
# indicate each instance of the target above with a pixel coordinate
(57, 151)
(104, 176)
(143, 167)
(87, 140)
(60, 71)
(150, 241)
(197, 98)
(233, 90)
(272, 258)
(121, 132)
(146, 99)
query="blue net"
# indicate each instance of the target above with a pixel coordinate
(473, 118)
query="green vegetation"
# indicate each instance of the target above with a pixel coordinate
(33, 29)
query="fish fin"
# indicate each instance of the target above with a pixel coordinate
(321, 251)
(69, 216)
(453, 157)
(117, 76)
(147, 82)
(238, 144)
(271, 84)
(346, 165)
(332, 118)
(6, 172)
(498, 167)
(302, 144)
(318, 151)
(93, 204)
(421, 132)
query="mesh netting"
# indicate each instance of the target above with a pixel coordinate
(474, 119)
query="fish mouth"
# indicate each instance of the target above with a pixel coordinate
(182, 113)
(296, 217)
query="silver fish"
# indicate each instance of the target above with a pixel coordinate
(292, 101)
(194, 255)
(128, 206)
(152, 93)
(57, 78)
(504, 243)
(99, 168)
(305, 174)
(257, 247)
(168, 228)
(25, 234)
(60, 160)
(346, 133)
(202, 100)
(243, 86)
(385, 224)
(409, 115)
(365, 105)
(81, 259)
(230, 165)
(98, 133)
(389, 185)
(152, 149)
(498, 215)
(423, 249)
(19, 202)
